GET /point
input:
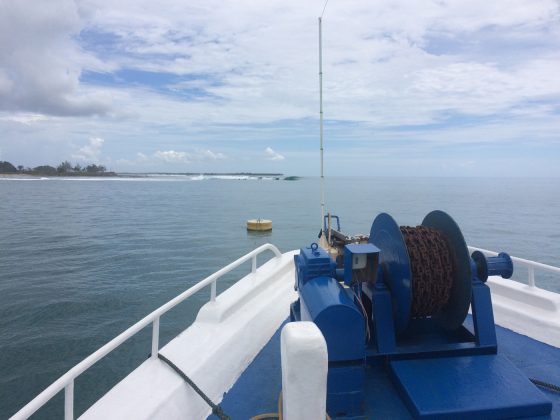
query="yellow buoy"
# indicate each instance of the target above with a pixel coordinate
(259, 224)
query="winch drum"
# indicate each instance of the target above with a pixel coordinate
(438, 251)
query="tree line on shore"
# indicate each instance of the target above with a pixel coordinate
(65, 168)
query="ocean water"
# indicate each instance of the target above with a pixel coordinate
(83, 259)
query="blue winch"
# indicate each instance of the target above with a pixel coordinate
(402, 299)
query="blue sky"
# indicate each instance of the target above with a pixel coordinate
(430, 88)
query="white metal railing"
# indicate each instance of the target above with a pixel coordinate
(531, 265)
(66, 381)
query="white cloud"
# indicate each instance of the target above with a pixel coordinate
(209, 154)
(41, 61)
(171, 156)
(250, 62)
(272, 155)
(91, 151)
(24, 118)
(373, 61)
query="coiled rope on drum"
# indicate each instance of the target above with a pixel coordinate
(431, 266)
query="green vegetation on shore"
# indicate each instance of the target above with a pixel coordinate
(67, 169)
(64, 169)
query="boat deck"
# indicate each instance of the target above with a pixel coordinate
(258, 388)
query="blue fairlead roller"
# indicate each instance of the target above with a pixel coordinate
(500, 265)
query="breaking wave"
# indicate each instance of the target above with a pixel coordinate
(146, 178)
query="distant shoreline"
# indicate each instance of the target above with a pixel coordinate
(131, 174)
(199, 173)
(195, 176)
(63, 175)
(66, 169)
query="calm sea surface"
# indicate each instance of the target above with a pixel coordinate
(83, 259)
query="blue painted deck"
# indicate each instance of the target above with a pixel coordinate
(258, 388)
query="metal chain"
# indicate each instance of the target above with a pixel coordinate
(432, 269)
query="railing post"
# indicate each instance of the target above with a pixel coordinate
(69, 401)
(155, 338)
(254, 266)
(531, 276)
(213, 291)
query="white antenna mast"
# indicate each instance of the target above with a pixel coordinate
(321, 117)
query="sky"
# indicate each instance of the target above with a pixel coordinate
(411, 88)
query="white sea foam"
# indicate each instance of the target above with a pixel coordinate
(13, 178)
(235, 177)
(143, 178)
(118, 179)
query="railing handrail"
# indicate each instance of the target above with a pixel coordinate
(67, 380)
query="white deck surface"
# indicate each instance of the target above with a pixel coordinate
(213, 352)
